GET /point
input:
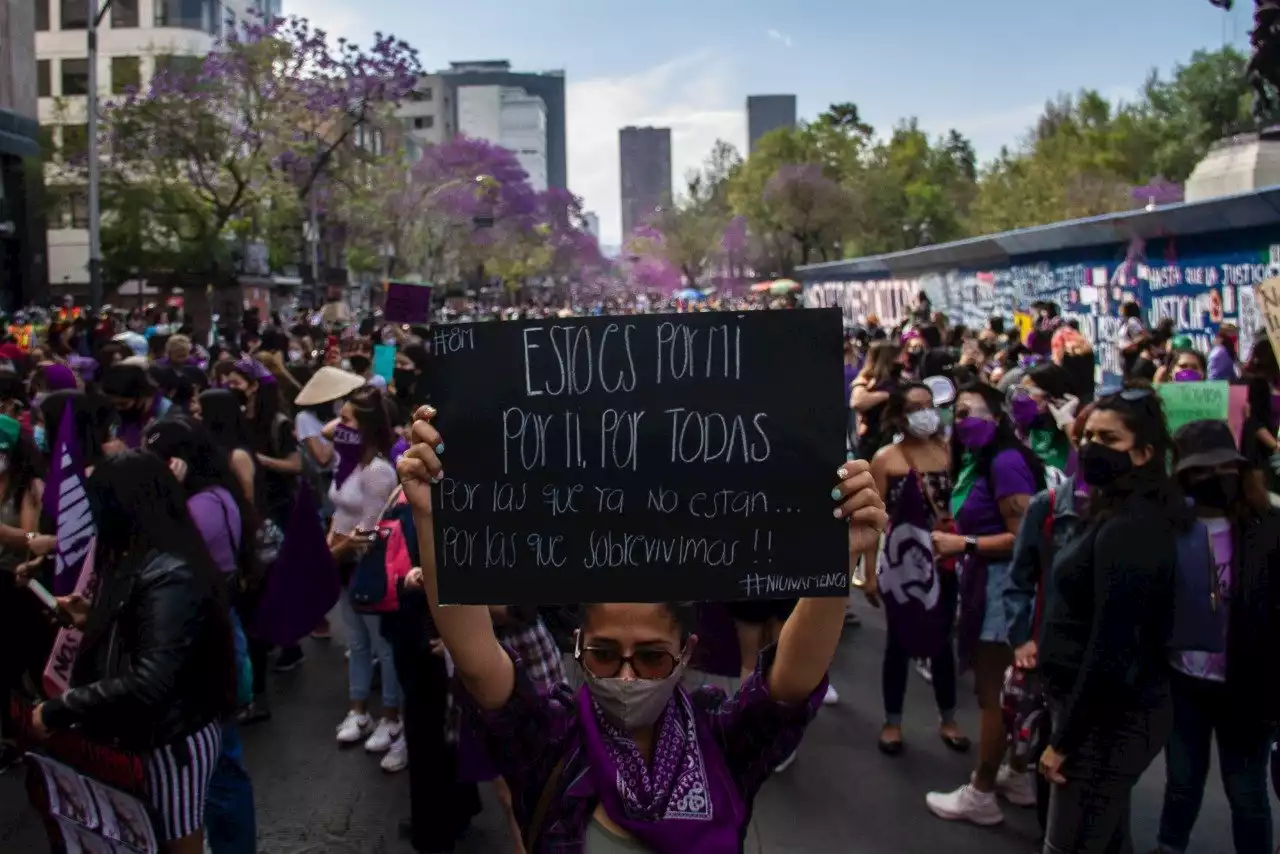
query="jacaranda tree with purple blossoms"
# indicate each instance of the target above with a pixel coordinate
(466, 209)
(237, 144)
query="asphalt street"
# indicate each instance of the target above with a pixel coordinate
(841, 795)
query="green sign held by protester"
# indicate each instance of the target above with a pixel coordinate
(1200, 401)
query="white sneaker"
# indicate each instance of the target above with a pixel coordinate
(925, 669)
(386, 732)
(354, 727)
(786, 763)
(966, 804)
(1018, 789)
(832, 697)
(397, 756)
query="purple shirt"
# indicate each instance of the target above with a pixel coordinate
(1221, 365)
(532, 733)
(1010, 475)
(216, 515)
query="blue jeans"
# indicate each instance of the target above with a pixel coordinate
(230, 822)
(1201, 712)
(365, 641)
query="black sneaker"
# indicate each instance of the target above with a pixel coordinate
(290, 658)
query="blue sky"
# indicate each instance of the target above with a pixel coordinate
(985, 67)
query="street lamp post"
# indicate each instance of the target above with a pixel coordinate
(96, 15)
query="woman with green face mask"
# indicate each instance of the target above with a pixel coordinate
(1043, 408)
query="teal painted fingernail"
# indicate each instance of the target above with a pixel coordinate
(835, 494)
(440, 448)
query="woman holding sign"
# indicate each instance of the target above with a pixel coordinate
(633, 761)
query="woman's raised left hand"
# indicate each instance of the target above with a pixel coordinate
(860, 503)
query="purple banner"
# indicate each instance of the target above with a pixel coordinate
(67, 503)
(347, 449)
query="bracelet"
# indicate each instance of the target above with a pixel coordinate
(31, 536)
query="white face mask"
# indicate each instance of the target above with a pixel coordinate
(295, 356)
(924, 423)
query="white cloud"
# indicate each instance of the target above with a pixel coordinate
(782, 38)
(692, 95)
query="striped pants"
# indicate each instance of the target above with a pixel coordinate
(177, 778)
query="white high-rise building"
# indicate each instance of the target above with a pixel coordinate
(510, 117)
(136, 38)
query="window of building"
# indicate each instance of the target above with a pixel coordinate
(48, 145)
(79, 208)
(424, 122)
(126, 71)
(75, 141)
(75, 14)
(179, 66)
(75, 77)
(44, 84)
(124, 14)
(202, 15)
(42, 15)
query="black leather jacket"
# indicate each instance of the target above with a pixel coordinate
(157, 661)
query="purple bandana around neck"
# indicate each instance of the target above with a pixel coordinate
(683, 801)
(347, 449)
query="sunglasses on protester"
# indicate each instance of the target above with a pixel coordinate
(605, 662)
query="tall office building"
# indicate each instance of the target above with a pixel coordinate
(766, 113)
(137, 38)
(22, 241)
(646, 174)
(511, 117)
(513, 109)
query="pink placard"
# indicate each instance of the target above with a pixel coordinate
(1237, 403)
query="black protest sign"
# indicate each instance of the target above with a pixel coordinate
(648, 458)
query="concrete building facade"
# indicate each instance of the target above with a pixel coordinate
(766, 113)
(22, 240)
(645, 159)
(427, 115)
(136, 38)
(509, 109)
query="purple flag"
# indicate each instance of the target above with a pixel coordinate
(303, 583)
(909, 579)
(347, 449)
(67, 503)
(407, 302)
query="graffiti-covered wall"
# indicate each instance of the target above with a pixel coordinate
(1198, 281)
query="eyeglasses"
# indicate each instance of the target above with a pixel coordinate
(606, 662)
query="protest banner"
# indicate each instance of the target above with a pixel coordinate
(651, 458)
(1202, 401)
(1267, 299)
(407, 302)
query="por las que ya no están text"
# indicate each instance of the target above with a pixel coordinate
(572, 360)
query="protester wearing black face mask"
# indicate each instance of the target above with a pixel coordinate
(1107, 619)
(1224, 696)
(136, 401)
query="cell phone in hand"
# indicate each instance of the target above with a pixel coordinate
(46, 598)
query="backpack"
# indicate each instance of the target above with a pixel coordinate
(1199, 621)
(374, 587)
(1199, 618)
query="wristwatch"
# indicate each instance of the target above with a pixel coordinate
(970, 545)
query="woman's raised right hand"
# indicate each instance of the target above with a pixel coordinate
(420, 466)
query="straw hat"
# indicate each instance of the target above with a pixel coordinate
(327, 385)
